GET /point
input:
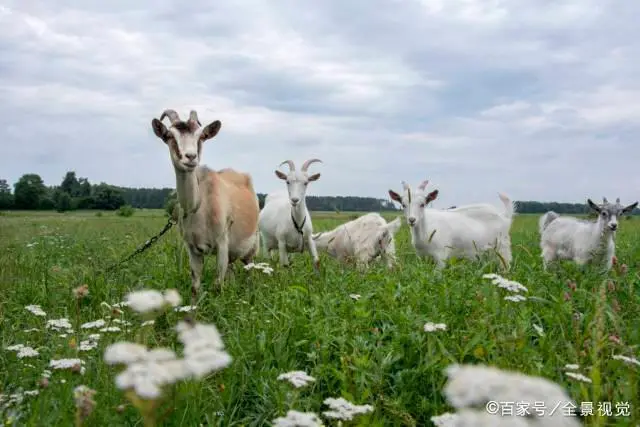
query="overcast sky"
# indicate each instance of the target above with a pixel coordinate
(536, 98)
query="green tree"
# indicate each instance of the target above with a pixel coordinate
(70, 184)
(29, 191)
(6, 198)
(63, 201)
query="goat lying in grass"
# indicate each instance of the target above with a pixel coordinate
(463, 231)
(566, 237)
(362, 239)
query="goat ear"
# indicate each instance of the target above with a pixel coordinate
(431, 196)
(395, 196)
(281, 175)
(160, 130)
(630, 208)
(394, 225)
(593, 205)
(210, 130)
(314, 177)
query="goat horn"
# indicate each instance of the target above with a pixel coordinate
(306, 164)
(173, 116)
(424, 184)
(193, 116)
(604, 200)
(405, 185)
(292, 167)
(618, 200)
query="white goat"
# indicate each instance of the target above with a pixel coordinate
(462, 231)
(285, 222)
(218, 209)
(363, 239)
(566, 237)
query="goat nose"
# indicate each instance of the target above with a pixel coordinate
(613, 226)
(411, 220)
(191, 156)
(295, 200)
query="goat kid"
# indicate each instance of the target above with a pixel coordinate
(285, 222)
(218, 210)
(463, 231)
(363, 239)
(566, 237)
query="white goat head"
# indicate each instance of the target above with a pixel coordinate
(297, 181)
(184, 138)
(609, 213)
(413, 203)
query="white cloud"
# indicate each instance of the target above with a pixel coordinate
(530, 98)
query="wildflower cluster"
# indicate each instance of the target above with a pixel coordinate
(263, 266)
(509, 285)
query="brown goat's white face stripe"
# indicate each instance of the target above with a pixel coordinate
(184, 138)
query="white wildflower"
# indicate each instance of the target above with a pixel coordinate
(87, 345)
(121, 322)
(63, 335)
(355, 296)
(342, 409)
(172, 297)
(110, 329)
(578, 377)
(148, 377)
(626, 359)
(148, 323)
(60, 325)
(515, 298)
(46, 373)
(298, 419)
(203, 348)
(259, 266)
(445, 420)
(95, 324)
(27, 352)
(66, 364)
(432, 327)
(36, 310)
(501, 282)
(31, 330)
(31, 392)
(571, 367)
(185, 308)
(121, 304)
(145, 301)
(125, 353)
(472, 386)
(15, 347)
(538, 329)
(297, 378)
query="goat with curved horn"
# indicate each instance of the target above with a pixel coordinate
(193, 116)
(173, 116)
(306, 164)
(292, 167)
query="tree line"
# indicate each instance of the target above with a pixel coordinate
(73, 193)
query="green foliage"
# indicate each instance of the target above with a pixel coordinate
(125, 211)
(6, 198)
(30, 192)
(372, 350)
(63, 201)
(171, 206)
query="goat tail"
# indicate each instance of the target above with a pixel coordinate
(509, 206)
(546, 219)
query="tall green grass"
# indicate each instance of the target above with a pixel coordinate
(370, 351)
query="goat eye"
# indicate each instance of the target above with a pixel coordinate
(422, 205)
(305, 184)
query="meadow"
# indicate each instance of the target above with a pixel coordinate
(370, 349)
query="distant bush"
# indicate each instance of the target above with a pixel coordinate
(98, 213)
(125, 210)
(171, 206)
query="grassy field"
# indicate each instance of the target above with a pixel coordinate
(370, 351)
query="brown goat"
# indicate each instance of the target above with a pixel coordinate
(218, 209)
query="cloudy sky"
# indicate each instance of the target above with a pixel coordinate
(536, 98)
